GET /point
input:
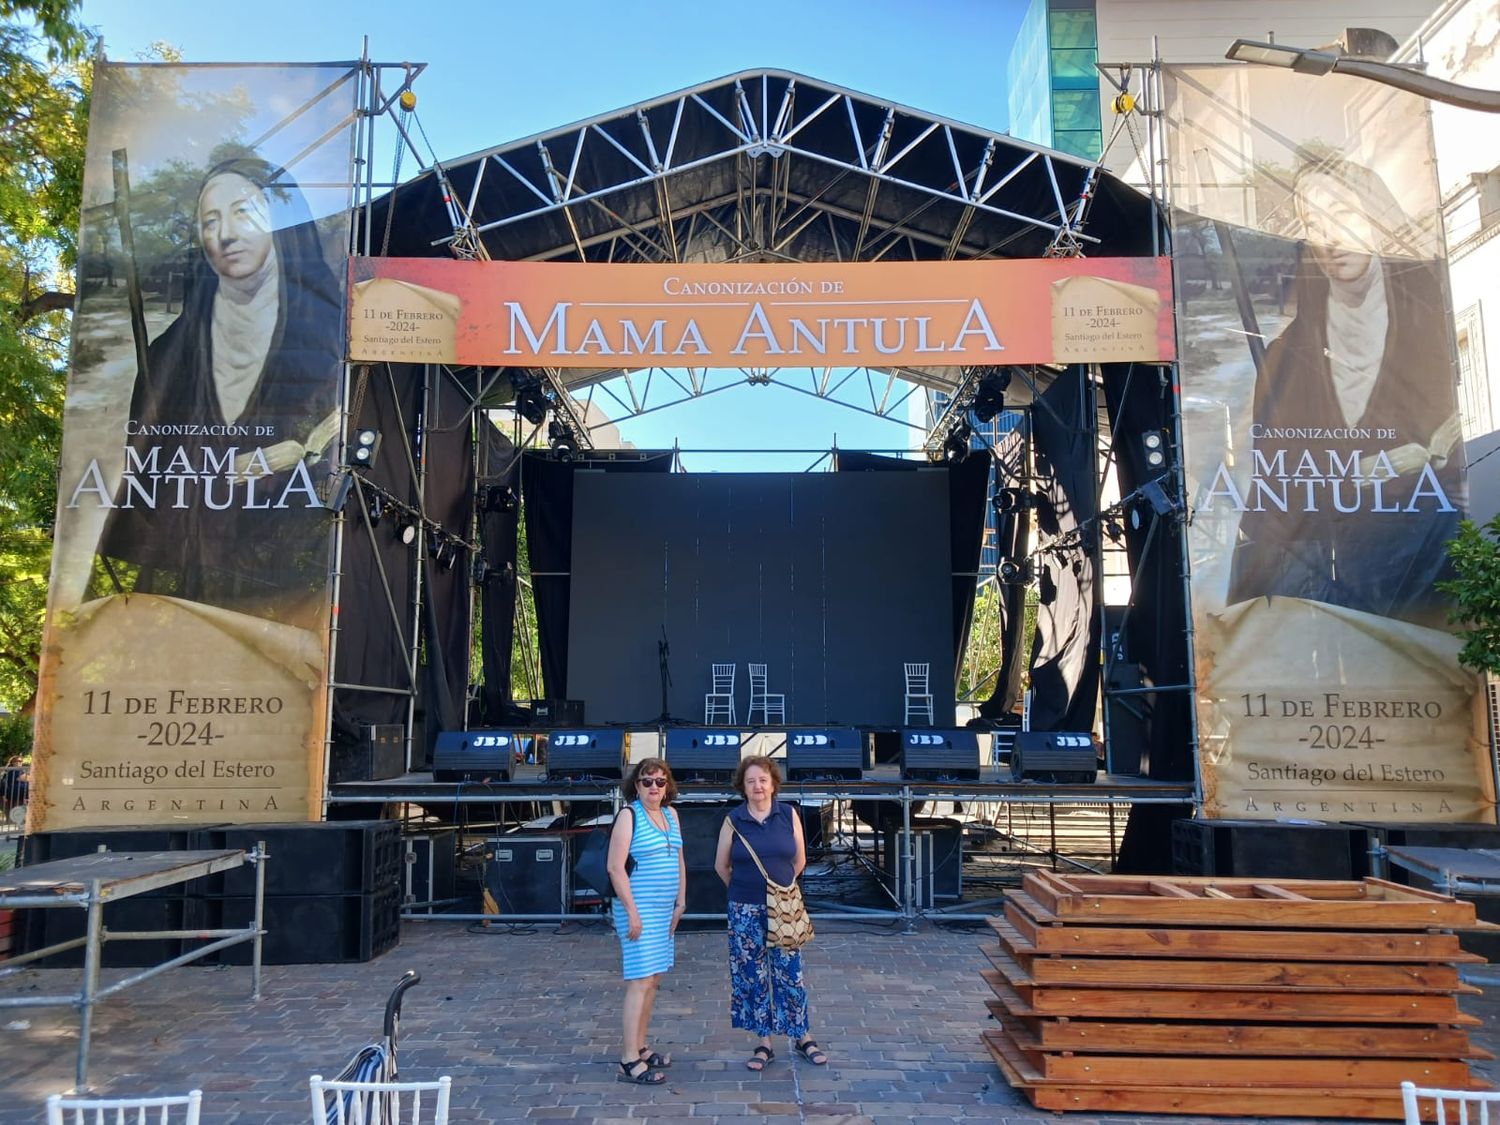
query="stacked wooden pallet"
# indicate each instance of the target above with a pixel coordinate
(1228, 997)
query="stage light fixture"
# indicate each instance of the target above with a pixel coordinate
(1157, 496)
(376, 508)
(1012, 499)
(956, 444)
(1014, 572)
(1114, 530)
(531, 399)
(406, 531)
(989, 399)
(1154, 445)
(500, 498)
(480, 572)
(360, 452)
(563, 444)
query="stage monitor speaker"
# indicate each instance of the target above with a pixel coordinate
(473, 755)
(557, 712)
(1058, 757)
(826, 755)
(702, 754)
(379, 753)
(940, 755)
(526, 875)
(585, 755)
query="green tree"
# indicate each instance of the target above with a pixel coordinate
(43, 121)
(1475, 589)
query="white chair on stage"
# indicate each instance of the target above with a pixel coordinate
(378, 1103)
(718, 704)
(767, 703)
(1447, 1107)
(62, 1110)
(918, 694)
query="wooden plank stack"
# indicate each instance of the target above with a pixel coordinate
(1229, 997)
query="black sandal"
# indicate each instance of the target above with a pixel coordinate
(760, 1058)
(810, 1051)
(645, 1077)
(654, 1060)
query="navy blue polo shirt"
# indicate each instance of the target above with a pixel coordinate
(772, 840)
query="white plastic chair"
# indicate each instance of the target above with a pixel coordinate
(1459, 1106)
(918, 694)
(718, 704)
(378, 1103)
(63, 1110)
(767, 703)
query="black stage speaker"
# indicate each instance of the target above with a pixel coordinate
(826, 755)
(473, 755)
(585, 755)
(706, 754)
(526, 874)
(340, 857)
(378, 754)
(1059, 757)
(557, 712)
(311, 929)
(940, 755)
(430, 870)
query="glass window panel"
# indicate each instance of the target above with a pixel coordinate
(1085, 144)
(1075, 109)
(1072, 29)
(1075, 63)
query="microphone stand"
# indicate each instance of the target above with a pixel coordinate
(663, 650)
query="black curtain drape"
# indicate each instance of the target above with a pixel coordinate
(968, 487)
(499, 491)
(1012, 539)
(449, 455)
(374, 638)
(1154, 648)
(1064, 655)
(548, 487)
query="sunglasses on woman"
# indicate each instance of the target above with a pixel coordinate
(653, 782)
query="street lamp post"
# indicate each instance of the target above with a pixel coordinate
(1308, 60)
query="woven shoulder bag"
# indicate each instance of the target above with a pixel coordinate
(787, 924)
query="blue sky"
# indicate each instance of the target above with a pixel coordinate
(502, 70)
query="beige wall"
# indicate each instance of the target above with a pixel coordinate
(1201, 30)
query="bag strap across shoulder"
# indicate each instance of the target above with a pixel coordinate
(770, 882)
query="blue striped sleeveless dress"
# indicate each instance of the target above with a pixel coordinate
(654, 886)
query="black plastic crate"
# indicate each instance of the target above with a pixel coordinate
(38, 928)
(334, 858)
(312, 929)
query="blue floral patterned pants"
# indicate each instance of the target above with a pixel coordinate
(767, 996)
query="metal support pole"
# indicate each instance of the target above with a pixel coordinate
(908, 865)
(92, 955)
(259, 860)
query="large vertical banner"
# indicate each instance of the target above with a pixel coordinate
(184, 664)
(1323, 454)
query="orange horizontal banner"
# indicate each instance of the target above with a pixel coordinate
(797, 314)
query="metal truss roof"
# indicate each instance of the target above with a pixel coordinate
(764, 165)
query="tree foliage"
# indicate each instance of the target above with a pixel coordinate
(1475, 590)
(43, 122)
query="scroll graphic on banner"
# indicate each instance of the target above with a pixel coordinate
(1322, 452)
(1052, 310)
(183, 667)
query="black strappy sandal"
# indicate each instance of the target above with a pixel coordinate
(655, 1060)
(760, 1058)
(644, 1077)
(810, 1051)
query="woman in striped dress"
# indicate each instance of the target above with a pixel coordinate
(649, 900)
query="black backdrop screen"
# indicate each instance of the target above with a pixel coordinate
(834, 580)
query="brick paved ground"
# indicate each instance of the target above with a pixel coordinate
(526, 1024)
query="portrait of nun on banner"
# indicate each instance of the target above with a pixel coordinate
(184, 657)
(1323, 453)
